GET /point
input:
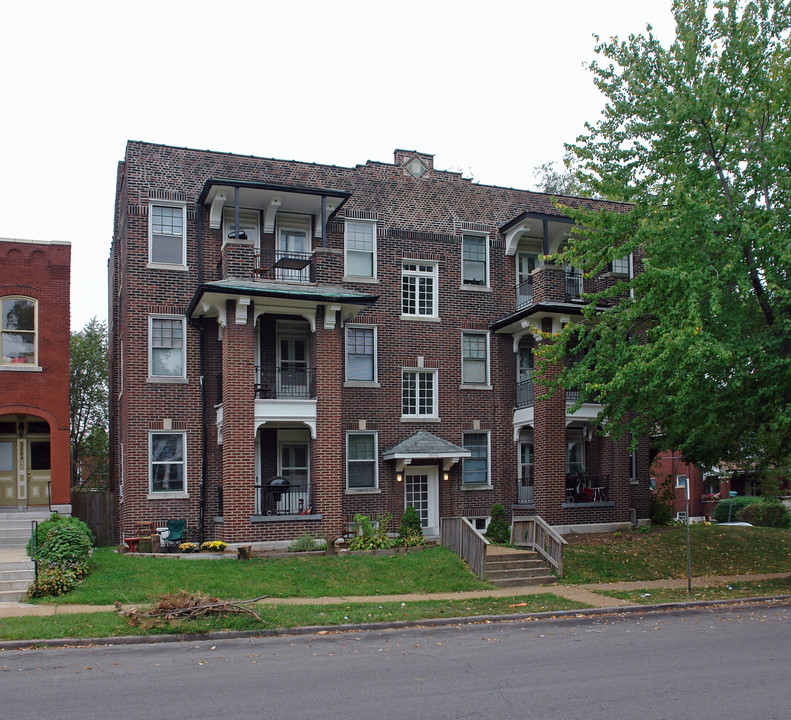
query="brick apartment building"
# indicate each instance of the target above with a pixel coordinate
(292, 343)
(34, 375)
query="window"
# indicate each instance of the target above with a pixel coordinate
(575, 457)
(652, 483)
(474, 251)
(620, 266)
(419, 289)
(360, 245)
(479, 523)
(360, 353)
(475, 469)
(361, 472)
(166, 347)
(681, 481)
(474, 358)
(168, 464)
(633, 467)
(166, 234)
(682, 516)
(526, 462)
(248, 227)
(292, 255)
(419, 393)
(18, 331)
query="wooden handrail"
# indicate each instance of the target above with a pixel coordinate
(459, 535)
(537, 535)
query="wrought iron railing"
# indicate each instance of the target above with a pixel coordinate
(524, 293)
(283, 498)
(573, 285)
(524, 393)
(286, 381)
(524, 490)
(284, 265)
(584, 488)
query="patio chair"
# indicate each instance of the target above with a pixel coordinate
(176, 534)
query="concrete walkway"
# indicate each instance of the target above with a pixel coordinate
(581, 593)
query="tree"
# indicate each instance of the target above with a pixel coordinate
(695, 137)
(88, 403)
(560, 181)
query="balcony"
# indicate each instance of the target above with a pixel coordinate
(284, 382)
(524, 293)
(524, 490)
(281, 496)
(574, 285)
(283, 265)
(524, 393)
(582, 488)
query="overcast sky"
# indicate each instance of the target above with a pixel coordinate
(491, 88)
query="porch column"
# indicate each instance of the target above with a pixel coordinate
(238, 433)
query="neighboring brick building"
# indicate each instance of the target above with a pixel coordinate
(291, 343)
(34, 375)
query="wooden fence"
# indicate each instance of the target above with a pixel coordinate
(97, 511)
(534, 533)
(459, 535)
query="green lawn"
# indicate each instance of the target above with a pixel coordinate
(136, 579)
(731, 591)
(661, 553)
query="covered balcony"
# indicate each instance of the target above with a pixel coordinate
(585, 488)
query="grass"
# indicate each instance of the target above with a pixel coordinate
(661, 554)
(734, 590)
(109, 624)
(135, 579)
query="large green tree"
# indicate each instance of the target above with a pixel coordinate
(88, 403)
(696, 136)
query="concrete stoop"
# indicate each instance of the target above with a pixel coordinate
(517, 567)
(17, 572)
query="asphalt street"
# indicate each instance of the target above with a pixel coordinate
(702, 664)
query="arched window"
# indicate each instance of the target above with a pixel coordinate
(18, 331)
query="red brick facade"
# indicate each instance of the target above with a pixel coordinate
(34, 374)
(267, 388)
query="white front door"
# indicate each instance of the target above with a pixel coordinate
(422, 493)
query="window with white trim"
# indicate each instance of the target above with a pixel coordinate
(474, 260)
(474, 358)
(168, 462)
(248, 227)
(633, 467)
(166, 347)
(360, 248)
(361, 465)
(419, 394)
(681, 481)
(166, 228)
(18, 331)
(419, 288)
(360, 353)
(475, 469)
(620, 266)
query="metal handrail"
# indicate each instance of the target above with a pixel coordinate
(524, 393)
(524, 293)
(284, 381)
(524, 490)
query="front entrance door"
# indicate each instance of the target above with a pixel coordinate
(422, 493)
(8, 471)
(24, 461)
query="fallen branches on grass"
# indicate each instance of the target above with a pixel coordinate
(185, 605)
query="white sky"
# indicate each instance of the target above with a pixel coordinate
(491, 88)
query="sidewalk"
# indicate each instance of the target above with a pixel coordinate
(581, 593)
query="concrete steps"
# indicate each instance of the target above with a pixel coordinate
(17, 571)
(512, 568)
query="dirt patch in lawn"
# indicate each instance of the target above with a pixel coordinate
(612, 538)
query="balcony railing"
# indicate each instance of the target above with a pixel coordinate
(279, 496)
(279, 382)
(524, 393)
(584, 488)
(284, 265)
(573, 285)
(524, 293)
(524, 490)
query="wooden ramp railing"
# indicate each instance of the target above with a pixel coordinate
(534, 533)
(459, 535)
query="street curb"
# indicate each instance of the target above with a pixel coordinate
(557, 615)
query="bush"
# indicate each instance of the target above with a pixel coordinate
(660, 503)
(731, 507)
(368, 537)
(410, 524)
(44, 528)
(306, 543)
(66, 546)
(52, 580)
(499, 531)
(766, 514)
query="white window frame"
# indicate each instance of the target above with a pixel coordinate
(352, 382)
(417, 415)
(167, 378)
(621, 266)
(464, 461)
(681, 483)
(633, 467)
(375, 459)
(298, 223)
(248, 223)
(35, 332)
(471, 383)
(159, 494)
(475, 520)
(486, 283)
(162, 265)
(420, 273)
(347, 250)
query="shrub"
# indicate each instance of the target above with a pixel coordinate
(766, 513)
(660, 503)
(66, 546)
(305, 543)
(369, 537)
(410, 523)
(214, 546)
(499, 531)
(53, 580)
(731, 506)
(44, 528)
